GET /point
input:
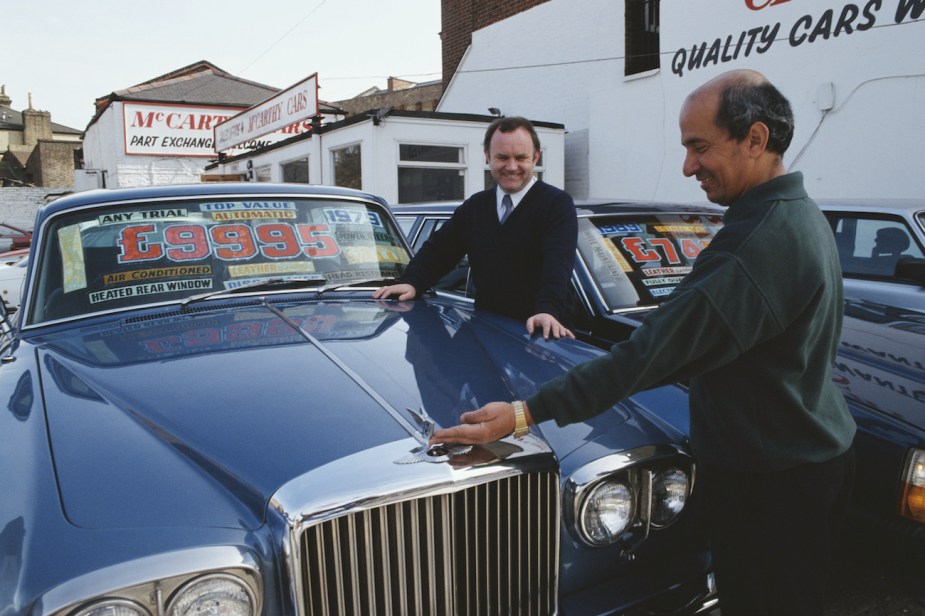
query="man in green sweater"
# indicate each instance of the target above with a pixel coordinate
(754, 327)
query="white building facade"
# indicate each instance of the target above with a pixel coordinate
(402, 156)
(853, 71)
(153, 143)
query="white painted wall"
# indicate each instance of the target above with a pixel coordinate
(104, 148)
(380, 151)
(543, 64)
(562, 62)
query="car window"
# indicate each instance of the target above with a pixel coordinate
(406, 224)
(637, 261)
(871, 246)
(456, 281)
(145, 253)
(428, 227)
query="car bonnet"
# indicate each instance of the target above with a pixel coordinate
(198, 418)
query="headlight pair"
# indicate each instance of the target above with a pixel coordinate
(648, 486)
(202, 580)
(209, 594)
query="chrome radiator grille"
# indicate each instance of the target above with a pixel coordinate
(488, 549)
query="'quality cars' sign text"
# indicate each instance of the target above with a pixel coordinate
(805, 30)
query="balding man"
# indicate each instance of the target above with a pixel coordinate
(754, 327)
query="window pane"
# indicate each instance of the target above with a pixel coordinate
(873, 246)
(262, 174)
(415, 153)
(347, 167)
(642, 36)
(296, 171)
(422, 185)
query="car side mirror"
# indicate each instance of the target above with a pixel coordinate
(911, 269)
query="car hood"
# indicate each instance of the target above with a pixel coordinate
(197, 419)
(881, 360)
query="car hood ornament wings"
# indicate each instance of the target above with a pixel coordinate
(436, 453)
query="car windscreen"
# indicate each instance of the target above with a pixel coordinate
(637, 260)
(136, 253)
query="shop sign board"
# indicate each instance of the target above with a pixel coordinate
(171, 129)
(815, 26)
(294, 104)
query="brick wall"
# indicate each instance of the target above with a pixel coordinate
(36, 126)
(417, 98)
(460, 18)
(52, 164)
(18, 206)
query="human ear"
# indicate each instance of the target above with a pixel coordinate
(758, 135)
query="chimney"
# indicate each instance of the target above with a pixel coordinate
(36, 125)
(5, 101)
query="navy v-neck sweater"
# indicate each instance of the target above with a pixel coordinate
(520, 268)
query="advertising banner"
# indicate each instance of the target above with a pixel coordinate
(294, 104)
(169, 129)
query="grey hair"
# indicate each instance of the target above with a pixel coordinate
(745, 102)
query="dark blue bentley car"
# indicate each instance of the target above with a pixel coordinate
(206, 412)
(632, 253)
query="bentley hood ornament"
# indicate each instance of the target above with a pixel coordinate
(435, 453)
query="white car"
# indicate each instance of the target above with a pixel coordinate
(12, 276)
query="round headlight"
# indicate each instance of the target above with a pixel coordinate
(114, 607)
(670, 490)
(213, 594)
(606, 512)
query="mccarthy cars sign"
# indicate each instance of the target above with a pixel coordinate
(164, 129)
(295, 104)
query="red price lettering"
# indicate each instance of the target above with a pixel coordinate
(229, 242)
(636, 246)
(162, 345)
(278, 240)
(242, 331)
(318, 242)
(137, 246)
(666, 244)
(202, 337)
(233, 242)
(691, 248)
(187, 242)
(277, 328)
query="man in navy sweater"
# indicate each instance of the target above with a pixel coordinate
(520, 238)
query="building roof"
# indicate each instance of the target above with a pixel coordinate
(200, 83)
(10, 119)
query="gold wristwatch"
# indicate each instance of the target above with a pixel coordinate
(521, 429)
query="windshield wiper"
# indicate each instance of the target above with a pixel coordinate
(354, 283)
(260, 285)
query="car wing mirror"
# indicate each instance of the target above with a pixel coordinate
(911, 269)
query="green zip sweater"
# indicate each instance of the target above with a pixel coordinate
(754, 326)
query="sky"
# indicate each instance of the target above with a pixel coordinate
(67, 53)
